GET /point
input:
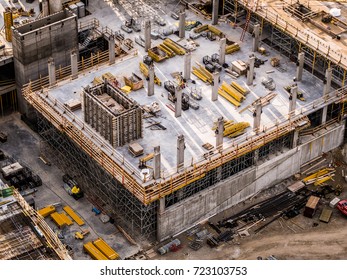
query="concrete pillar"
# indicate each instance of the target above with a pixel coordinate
(256, 34)
(187, 65)
(45, 8)
(327, 81)
(256, 157)
(222, 45)
(180, 151)
(292, 99)
(74, 65)
(161, 208)
(150, 80)
(157, 162)
(51, 71)
(300, 66)
(55, 6)
(250, 71)
(215, 86)
(178, 103)
(215, 7)
(295, 138)
(147, 35)
(324, 114)
(257, 116)
(182, 25)
(219, 133)
(111, 49)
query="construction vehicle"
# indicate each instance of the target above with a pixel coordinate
(145, 72)
(72, 188)
(80, 234)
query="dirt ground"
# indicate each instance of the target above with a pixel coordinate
(299, 238)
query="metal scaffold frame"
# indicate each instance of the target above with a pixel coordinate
(103, 190)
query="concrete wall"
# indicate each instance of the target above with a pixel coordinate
(33, 43)
(243, 185)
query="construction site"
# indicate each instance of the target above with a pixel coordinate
(173, 129)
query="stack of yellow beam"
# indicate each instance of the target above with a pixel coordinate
(232, 129)
(201, 28)
(48, 210)
(239, 88)
(202, 73)
(170, 53)
(144, 71)
(232, 48)
(94, 252)
(209, 27)
(73, 215)
(320, 177)
(174, 46)
(61, 219)
(231, 94)
(105, 249)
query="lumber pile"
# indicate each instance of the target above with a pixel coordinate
(232, 129)
(320, 177)
(234, 93)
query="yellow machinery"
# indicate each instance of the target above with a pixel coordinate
(48, 210)
(80, 234)
(73, 215)
(144, 71)
(174, 46)
(94, 252)
(105, 249)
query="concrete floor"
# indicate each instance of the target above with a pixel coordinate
(24, 145)
(194, 125)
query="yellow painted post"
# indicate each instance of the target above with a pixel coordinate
(314, 60)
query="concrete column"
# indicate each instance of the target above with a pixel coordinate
(250, 71)
(182, 25)
(324, 114)
(157, 162)
(292, 100)
(187, 65)
(178, 103)
(45, 8)
(147, 35)
(256, 157)
(215, 86)
(219, 133)
(215, 6)
(222, 45)
(111, 49)
(300, 66)
(74, 65)
(257, 116)
(161, 208)
(51, 71)
(295, 138)
(180, 151)
(256, 34)
(150, 80)
(327, 81)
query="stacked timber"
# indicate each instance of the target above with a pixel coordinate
(201, 72)
(231, 128)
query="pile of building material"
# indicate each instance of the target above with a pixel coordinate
(134, 82)
(229, 49)
(202, 73)
(208, 27)
(157, 54)
(234, 93)
(232, 129)
(320, 177)
(239, 67)
(100, 250)
(144, 70)
(174, 46)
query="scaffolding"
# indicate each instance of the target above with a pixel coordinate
(102, 189)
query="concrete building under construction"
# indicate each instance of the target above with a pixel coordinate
(161, 173)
